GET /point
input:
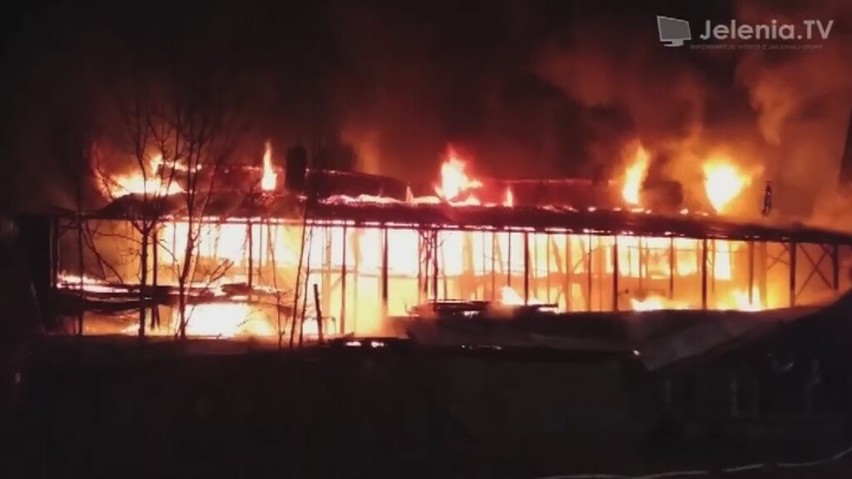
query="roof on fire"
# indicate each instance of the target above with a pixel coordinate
(396, 213)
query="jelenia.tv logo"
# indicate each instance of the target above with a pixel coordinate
(675, 32)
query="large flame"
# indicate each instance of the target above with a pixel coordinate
(270, 179)
(510, 198)
(454, 181)
(635, 176)
(723, 182)
(148, 183)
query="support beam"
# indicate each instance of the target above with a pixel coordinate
(835, 267)
(589, 275)
(384, 271)
(751, 272)
(569, 273)
(343, 283)
(250, 245)
(615, 273)
(526, 268)
(671, 267)
(509, 259)
(704, 273)
(494, 248)
(793, 248)
(434, 248)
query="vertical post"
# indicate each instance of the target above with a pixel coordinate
(835, 267)
(342, 326)
(569, 273)
(434, 238)
(589, 274)
(704, 273)
(493, 265)
(642, 262)
(547, 254)
(356, 272)
(793, 248)
(509, 259)
(155, 267)
(319, 313)
(250, 242)
(751, 272)
(384, 271)
(615, 273)
(713, 261)
(328, 243)
(671, 267)
(526, 267)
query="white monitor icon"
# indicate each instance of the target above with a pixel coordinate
(673, 31)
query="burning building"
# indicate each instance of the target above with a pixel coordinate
(340, 252)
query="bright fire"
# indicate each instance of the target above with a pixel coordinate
(510, 297)
(737, 300)
(454, 181)
(148, 183)
(723, 182)
(510, 198)
(654, 303)
(270, 178)
(635, 176)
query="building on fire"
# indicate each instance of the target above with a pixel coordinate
(373, 247)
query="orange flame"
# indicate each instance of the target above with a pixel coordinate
(655, 302)
(723, 182)
(635, 175)
(148, 183)
(510, 198)
(454, 181)
(270, 178)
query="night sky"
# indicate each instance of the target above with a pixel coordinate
(528, 89)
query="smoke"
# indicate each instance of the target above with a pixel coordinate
(781, 115)
(803, 98)
(531, 90)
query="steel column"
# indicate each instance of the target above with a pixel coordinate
(793, 248)
(569, 273)
(615, 273)
(434, 239)
(835, 267)
(751, 272)
(704, 273)
(343, 283)
(671, 267)
(526, 267)
(384, 271)
(250, 242)
(589, 275)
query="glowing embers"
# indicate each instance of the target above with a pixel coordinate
(723, 182)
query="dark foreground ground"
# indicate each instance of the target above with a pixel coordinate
(117, 409)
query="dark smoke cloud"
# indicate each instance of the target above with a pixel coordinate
(529, 89)
(803, 99)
